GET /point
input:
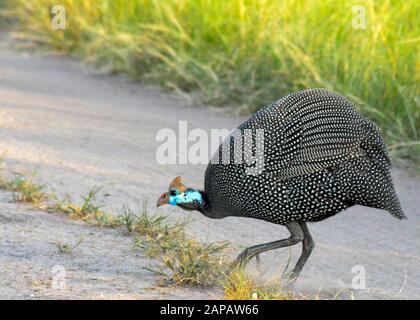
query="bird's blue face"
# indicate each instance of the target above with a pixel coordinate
(179, 194)
(188, 197)
(174, 197)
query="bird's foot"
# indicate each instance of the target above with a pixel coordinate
(291, 277)
(242, 260)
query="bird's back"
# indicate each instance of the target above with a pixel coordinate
(317, 148)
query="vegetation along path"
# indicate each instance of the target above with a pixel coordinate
(78, 128)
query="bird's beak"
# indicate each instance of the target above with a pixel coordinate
(163, 199)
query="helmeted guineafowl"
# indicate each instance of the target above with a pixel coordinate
(320, 156)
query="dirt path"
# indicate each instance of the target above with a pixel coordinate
(78, 128)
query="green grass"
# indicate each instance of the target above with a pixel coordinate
(67, 248)
(182, 259)
(246, 53)
(24, 188)
(158, 234)
(193, 263)
(88, 211)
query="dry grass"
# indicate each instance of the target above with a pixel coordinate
(193, 263)
(153, 233)
(24, 188)
(67, 248)
(182, 259)
(239, 286)
(88, 211)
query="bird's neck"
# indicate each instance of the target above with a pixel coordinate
(204, 206)
(195, 200)
(207, 209)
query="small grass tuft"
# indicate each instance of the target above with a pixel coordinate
(239, 286)
(3, 179)
(67, 248)
(128, 219)
(184, 261)
(157, 226)
(193, 263)
(159, 235)
(24, 189)
(89, 211)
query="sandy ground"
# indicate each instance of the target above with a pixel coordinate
(78, 128)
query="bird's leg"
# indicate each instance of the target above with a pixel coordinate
(307, 246)
(296, 236)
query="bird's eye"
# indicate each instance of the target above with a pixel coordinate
(172, 193)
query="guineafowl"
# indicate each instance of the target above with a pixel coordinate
(320, 156)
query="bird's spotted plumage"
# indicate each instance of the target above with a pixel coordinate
(320, 157)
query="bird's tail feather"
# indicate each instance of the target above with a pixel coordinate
(377, 152)
(394, 207)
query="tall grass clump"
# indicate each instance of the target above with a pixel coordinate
(183, 260)
(248, 52)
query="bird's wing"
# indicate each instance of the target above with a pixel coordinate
(315, 129)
